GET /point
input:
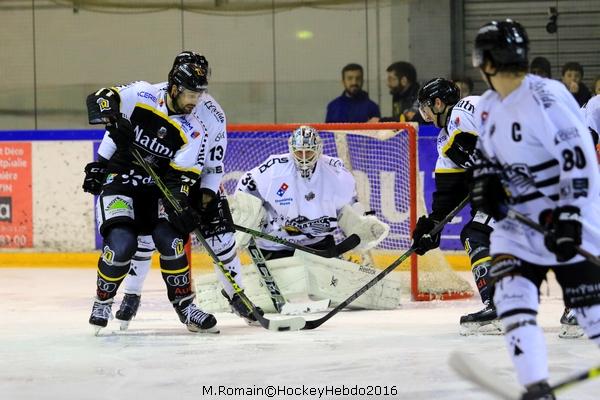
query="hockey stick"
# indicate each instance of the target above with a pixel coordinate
(261, 265)
(514, 214)
(288, 324)
(591, 373)
(345, 245)
(281, 305)
(440, 225)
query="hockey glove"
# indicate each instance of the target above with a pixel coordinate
(487, 192)
(422, 240)
(184, 221)
(564, 231)
(103, 106)
(95, 174)
(121, 132)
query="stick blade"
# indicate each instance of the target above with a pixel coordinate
(284, 325)
(476, 372)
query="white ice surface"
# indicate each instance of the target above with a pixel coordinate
(47, 350)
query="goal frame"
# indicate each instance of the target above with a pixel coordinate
(412, 132)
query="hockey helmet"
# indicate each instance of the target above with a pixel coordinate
(447, 91)
(306, 147)
(188, 76)
(504, 43)
(191, 57)
(438, 88)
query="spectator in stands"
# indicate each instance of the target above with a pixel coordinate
(404, 88)
(541, 66)
(572, 74)
(465, 84)
(354, 104)
(596, 85)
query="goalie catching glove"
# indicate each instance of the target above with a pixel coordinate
(368, 227)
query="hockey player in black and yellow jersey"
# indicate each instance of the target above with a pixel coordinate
(440, 103)
(162, 123)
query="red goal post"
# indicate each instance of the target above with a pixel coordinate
(383, 159)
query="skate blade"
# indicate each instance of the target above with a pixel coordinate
(474, 328)
(195, 329)
(123, 325)
(570, 332)
(96, 329)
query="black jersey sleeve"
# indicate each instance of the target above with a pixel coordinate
(450, 189)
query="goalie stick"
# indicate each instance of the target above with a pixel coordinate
(288, 324)
(514, 214)
(476, 372)
(440, 225)
(334, 251)
(281, 305)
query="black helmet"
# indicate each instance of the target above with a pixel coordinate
(441, 88)
(505, 43)
(188, 76)
(191, 57)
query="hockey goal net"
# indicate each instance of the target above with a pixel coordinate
(383, 159)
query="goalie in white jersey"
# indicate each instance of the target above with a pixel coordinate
(440, 103)
(536, 155)
(304, 196)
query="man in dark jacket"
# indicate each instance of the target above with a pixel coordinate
(354, 104)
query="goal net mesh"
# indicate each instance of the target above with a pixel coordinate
(382, 158)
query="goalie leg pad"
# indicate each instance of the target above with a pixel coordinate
(335, 279)
(516, 299)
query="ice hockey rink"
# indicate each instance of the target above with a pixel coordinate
(48, 351)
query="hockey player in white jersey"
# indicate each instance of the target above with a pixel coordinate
(215, 224)
(569, 327)
(440, 103)
(306, 195)
(536, 155)
(592, 117)
(303, 196)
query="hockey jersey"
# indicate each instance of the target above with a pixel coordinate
(538, 136)
(298, 209)
(455, 143)
(193, 143)
(592, 113)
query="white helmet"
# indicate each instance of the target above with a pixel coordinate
(306, 146)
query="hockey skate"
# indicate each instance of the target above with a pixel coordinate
(534, 390)
(569, 328)
(239, 309)
(195, 319)
(128, 310)
(483, 322)
(101, 313)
